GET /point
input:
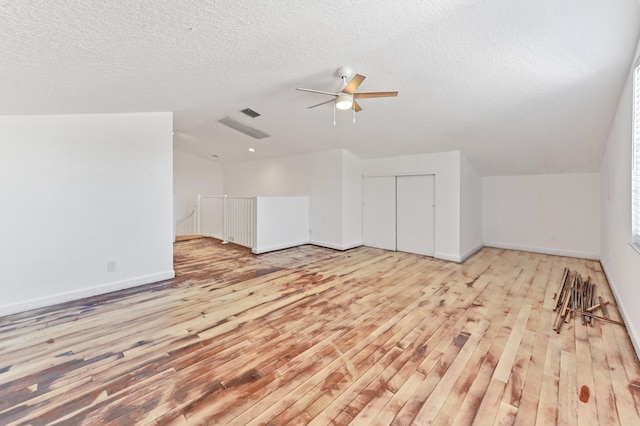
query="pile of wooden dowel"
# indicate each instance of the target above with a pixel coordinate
(578, 297)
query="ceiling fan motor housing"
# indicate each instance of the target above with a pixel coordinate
(344, 72)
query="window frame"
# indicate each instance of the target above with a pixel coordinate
(635, 161)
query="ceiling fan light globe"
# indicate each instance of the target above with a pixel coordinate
(344, 102)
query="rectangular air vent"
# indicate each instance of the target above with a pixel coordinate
(243, 128)
(251, 113)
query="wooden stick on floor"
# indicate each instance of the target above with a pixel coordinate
(603, 305)
(567, 314)
(562, 313)
(563, 286)
(596, 307)
(592, 298)
(587, 300)
(602, 318)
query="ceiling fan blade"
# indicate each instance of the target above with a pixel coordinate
(317, 105)
(355, 82)
(318, 91)
(356, 106)
(364, 95)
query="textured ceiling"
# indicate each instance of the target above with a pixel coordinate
(518, 87)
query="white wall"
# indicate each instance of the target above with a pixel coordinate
(325, 199)
(555, 214)
(620, 261)
(351, 200)
(281, 222)
(319, 175)
(78, 191)
(275, 177)
(471, 237)
(446, 167)
(192, 176)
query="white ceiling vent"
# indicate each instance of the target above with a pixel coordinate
(243, 128)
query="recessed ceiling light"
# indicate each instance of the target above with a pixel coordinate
(251, 150)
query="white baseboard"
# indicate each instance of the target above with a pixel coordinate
(260, 250)
(55, 299)
(634, 336)
(351, 245)
(341, 247)
(544, 250)
(447, 256)
(471, 252)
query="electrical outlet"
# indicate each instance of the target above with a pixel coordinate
(112, 266)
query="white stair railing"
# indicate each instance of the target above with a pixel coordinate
(186, 224)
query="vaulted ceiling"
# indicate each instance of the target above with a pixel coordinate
(519, 87)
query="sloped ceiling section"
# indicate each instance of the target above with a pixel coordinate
(518, 87)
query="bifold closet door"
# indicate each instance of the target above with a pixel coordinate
(379, 212)
(415, 210)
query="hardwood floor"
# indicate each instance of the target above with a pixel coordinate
(314, 336)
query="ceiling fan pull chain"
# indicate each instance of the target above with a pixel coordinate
(334, 115)
(354, 115)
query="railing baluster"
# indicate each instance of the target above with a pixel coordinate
(226, 218)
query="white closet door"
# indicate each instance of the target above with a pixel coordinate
(415, 200)
(379, 212)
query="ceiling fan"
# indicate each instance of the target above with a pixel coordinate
(345, 97)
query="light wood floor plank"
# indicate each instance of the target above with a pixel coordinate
(433, 404)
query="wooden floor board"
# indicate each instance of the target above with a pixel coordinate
(310, 335)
